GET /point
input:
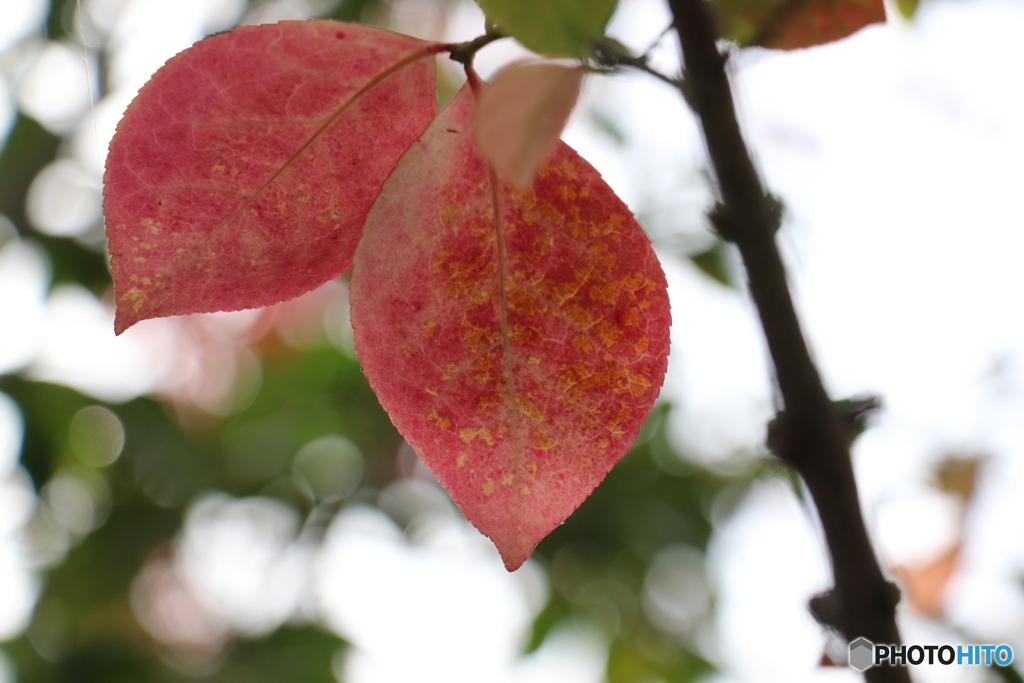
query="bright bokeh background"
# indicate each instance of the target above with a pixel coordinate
(267, 507)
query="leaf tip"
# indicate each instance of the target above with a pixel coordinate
(125, 316)
(120, 324)
(515, 556)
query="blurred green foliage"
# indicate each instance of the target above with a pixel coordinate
(552, 27)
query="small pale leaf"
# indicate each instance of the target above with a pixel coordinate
(241, 174)
(520, 116)
(517, 339)
(565, 28)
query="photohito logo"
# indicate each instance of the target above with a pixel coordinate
(864, 654)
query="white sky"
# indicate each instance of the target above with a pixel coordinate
(897, 153)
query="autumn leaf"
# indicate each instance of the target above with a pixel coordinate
(517, 339)
(792, 24)
(241, 174)
(520, 116)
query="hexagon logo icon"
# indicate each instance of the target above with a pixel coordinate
(862, 654)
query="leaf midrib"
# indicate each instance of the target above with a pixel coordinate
(379, 78)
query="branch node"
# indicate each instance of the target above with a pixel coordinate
(825, 609)
(726, 224)
(828, 610)
(853, 414)
(463, 53)
(611, 55)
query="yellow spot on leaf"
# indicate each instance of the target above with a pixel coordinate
(461, 460)
(544, 441)
(638, 385)
(481, 298)
(521, 335)
(488, 486)
(508, 478)
(477, 338)
(467, 435)
(137, 297)
(486, 404)
(525, 490)
(641, 344)
(607, 293)
(586, 463)
(569, 169)
(442, 422)
(633, 281)
(532, 465)
(528, 407)
(584, 317)
(603, 254)
(607, 332)
(582, 344)
(407, 351)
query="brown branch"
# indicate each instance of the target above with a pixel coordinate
(809, 435)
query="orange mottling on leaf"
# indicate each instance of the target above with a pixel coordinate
(607, 293)
(560, 308)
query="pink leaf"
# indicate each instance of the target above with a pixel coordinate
(519, 355)
(241, 174)
(520, 116)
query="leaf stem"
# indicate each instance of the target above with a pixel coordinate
(463, 53)
(810, 437)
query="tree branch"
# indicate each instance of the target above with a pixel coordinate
(809, 435)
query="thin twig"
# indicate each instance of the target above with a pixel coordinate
(809, 436)
(611, 55)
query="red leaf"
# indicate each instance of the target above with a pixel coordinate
(792, 24)
(519, 357)
(241, 174)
